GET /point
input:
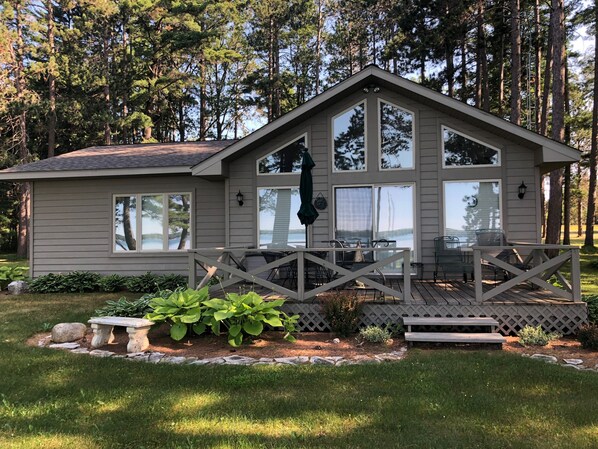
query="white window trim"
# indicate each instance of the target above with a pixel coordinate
(138, 221)
(365, 137)
(380, 101)
(373, 186)
(257, 206)
(500, 197)
(288, 142)
(467, 136)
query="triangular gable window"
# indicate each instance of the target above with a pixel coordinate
(286, 159)
(461, 150)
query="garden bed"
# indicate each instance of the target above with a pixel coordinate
(561, 348)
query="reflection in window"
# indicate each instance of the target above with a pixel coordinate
(460, 150)
(179, 221)
(285, 160)
(149, 220)
(469, 206)
(349, 139)
(279, 225)
(125, 223)
(396, 137)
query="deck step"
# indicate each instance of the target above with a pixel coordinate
(454, 337)
(439, 321)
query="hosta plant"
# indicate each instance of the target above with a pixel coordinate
(246, 314)
(182, 309)
(9, 274)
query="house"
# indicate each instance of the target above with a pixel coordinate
(394, 161)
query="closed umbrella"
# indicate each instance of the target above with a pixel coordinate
(307, 212)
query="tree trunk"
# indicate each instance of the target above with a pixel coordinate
(589, 239)
(51, 81)
(567, 179)
(515, 64)
(464, 69)
(537, 64)
(579, 197)
(555, 202)
(106, 88)
(547, 82)
(203, 112)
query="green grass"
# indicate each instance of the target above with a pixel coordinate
(433, 399)
(12, 260)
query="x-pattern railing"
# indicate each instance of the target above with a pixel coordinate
(536, 268)
(227, 263)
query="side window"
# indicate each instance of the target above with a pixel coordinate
(348, 130)
(396, 137)
(286, 159)
(460, 150)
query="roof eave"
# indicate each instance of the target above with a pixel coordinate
(102, 173)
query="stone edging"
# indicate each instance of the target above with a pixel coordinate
(577, 364)
(159, 357)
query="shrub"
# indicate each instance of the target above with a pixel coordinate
(535, 336)
(135, 309)
(9, 274)
(342, 311)
(592, 301)
(171, 281)
(588, 336)
(80, 282)
(49, 283)
(145, 283)
(112, 283)
(375, 334)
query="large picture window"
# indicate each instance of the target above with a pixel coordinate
(286, 159)
(349, 139)
(279, 226)
(163, 221)
(460, 150)
(396, 137)
(368, 213)
(469, 206)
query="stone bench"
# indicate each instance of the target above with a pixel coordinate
(137, 328)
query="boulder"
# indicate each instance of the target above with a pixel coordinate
(65, 332)
(18, 287)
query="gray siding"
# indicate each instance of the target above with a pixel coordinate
(72, 222)
(520, 217)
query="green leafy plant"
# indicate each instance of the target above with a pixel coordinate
(342, 311)
(11, 273)
(182, 309)
(592, 301)
(171, 281)
(588, 336)
(125, 308)
(49, 283)
(375, 334)
(112, 283)
(80, 281)
(246, 315)
(145, 283)
(535, 336)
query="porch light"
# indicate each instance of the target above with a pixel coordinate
(240, 198)
(522, 190)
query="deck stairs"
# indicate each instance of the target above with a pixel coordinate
(433, 330)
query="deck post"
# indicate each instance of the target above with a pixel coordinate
(300, 276)
(407, 275)
(192, 273)
(477, 274)
(575, 275)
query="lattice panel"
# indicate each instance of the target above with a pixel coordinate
(565, 318)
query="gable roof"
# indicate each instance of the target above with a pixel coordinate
(114, 160)
(550, 154)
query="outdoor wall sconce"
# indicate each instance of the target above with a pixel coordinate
(472, 201)
(371, 87)
(240, 198)
(522, 189)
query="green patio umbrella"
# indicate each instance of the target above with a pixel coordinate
(307, 212)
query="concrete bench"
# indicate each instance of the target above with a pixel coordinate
(137, 328)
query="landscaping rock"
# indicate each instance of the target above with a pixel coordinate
(18, 288)
(291, 360)
(321, 361)
(66, 332)
(80, 351)
(101, 353)
(365, 359)
(200, 362)
(155, 357)
(64, 346)
(239, 360)
(577, 367)
(389, 357)
(573, 361)
(174, 360)
(545, 358)
(336, 341)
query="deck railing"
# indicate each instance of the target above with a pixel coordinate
(531, 265)
(229, 264)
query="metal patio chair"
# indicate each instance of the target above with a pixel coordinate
(449, 258)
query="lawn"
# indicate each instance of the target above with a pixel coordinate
(433, 399)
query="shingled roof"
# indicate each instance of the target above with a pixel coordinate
(123, 159)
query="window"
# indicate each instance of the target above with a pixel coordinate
(396, 137)
(162, 220)
(460, 150)
(471, 205)
(349, 139)
(286, 159)
(367, 213)
(278, 224)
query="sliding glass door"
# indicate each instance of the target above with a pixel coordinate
(366, 214)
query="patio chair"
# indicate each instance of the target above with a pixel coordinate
(449, 259)
(496, 237)
(285, 272)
